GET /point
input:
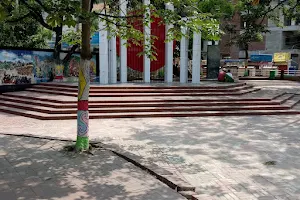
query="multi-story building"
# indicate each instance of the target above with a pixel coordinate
(236, 52)
(284, 39)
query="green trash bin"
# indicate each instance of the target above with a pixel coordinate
(272, 74)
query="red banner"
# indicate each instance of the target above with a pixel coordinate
(136, 62)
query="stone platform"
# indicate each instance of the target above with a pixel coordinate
(57, 101)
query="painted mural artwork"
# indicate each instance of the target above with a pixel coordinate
(71, 69)
(25, 66)
(16, 67)
(82, 120)
(43, 66)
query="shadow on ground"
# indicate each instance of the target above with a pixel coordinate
(222, 155)
(37, 169)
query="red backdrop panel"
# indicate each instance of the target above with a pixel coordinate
(134, 61)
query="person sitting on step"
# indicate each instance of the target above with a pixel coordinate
(229, 77)
(222, 74)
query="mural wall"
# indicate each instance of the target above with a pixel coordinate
(70, 69)
(25, 66)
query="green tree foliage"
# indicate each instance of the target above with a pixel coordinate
(25, 32)
(52, 15)
(253, 20)
(291, 9)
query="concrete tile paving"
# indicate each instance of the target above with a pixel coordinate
(34, 169)
(223, 157)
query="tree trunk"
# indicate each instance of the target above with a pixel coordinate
(246, 51)
(57, 47)
(82, 142)
(70, 53)
(246, 54)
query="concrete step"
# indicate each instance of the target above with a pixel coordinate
(152, 86)
(52, 92)
(36, 102)
(36, 97)
(283, 97)
(180, 104)
(145, 90)
(192, 94)
(47, 110)
(41, 116)
(35, 115)
(296, 104)
(116, 104)
(292, 102)
(240, 92)
(184, 109)
(61, 99)
(193, 114)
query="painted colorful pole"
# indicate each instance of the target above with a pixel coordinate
(83, 106)
(82, 142)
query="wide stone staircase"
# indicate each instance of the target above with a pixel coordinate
(59, 102)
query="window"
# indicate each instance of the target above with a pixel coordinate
(287, 21)
(298, 21)
(242, 23)
(291, 40)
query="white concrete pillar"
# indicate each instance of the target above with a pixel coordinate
(147, 43)
(123, 48)
(103, 53)
(196, 58)
(112, 59)
(184, 57)
(169, 51)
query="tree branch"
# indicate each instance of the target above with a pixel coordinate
(114, 16)
(272, 9)
(70, 53)
(42, 5)
(19, 18)
(39, 16)
(53, 9)
(112, 22)
(92, 5)
(292, 9)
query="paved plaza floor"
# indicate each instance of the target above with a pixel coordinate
(231, 158)
(32, 169)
